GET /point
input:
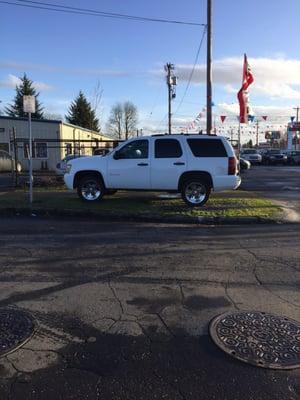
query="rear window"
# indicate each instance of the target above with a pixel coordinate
(275, 152)
(167, 148)
(207, 147)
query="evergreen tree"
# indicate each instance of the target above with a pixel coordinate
(25, 88)
(82, 114)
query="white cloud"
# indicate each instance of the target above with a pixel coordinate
(42, 86)
(273, 77)
(55, 69)
(12, 81)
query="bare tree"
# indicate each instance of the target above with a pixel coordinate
(123, 120)
(115, 122)
(130, 119)
(96, 101)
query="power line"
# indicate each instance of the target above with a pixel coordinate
(192, 71)
(95, 13)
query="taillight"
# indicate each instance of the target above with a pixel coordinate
(231, 165)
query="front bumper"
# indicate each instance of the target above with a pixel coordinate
(69, 179)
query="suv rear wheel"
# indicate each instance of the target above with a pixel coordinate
(195, 192)
(90, 188)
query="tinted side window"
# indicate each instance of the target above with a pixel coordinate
(207, 147)
(135, 149)
(5, 155)
(167, 148)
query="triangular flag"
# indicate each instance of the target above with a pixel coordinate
(292, 119)
(264, 117)
(223, 117)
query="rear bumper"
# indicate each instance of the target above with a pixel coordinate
(227, 182)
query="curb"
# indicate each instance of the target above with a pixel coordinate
(13, 212)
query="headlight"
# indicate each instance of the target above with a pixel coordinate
(68, 168)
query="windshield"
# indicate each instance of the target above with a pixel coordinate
(252, 151)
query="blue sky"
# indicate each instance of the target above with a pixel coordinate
(64, 53)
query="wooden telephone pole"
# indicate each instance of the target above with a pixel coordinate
(209, 69)
(171, 83)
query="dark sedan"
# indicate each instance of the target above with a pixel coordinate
(274, 157)
(293, 157)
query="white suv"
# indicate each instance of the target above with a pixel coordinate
(191, 164)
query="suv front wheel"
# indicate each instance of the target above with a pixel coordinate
(90, 188)
(195, 192)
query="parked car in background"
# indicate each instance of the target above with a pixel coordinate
(244, 164)
(293, 157)
(251, 155)
(192, 165)
(8, 163)
(61, 166)
(274, 156)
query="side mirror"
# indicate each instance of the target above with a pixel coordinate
(117, 155)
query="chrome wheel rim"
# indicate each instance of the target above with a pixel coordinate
(90, 190)
(195, 192)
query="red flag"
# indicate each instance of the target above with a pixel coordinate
(223, 117)
(265, 117)
(243, 92)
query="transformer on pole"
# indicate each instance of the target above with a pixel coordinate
(171, 83)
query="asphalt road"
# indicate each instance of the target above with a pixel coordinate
(123, 309)
(275, 180)
(279, 183)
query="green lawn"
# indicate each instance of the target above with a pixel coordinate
(228, 204)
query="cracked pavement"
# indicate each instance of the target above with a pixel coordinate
(122, 309)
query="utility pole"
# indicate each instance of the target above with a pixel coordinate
(297, 120)
(257, 134)
(171, 83)
(15, 144)
(209, 69)
(297, 113)
(29, 107)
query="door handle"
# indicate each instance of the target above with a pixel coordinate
(178, 163)
(142, 164)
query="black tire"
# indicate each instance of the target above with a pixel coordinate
(90, 188)
(195, 192)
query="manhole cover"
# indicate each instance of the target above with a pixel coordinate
(258, 338)
(16, 328)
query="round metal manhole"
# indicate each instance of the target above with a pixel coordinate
(261, 339)
(16, 328)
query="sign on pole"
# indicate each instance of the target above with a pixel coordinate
(29, 104)
(29, 107)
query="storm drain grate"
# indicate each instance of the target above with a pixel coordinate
(258, 338)
(16, 328)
